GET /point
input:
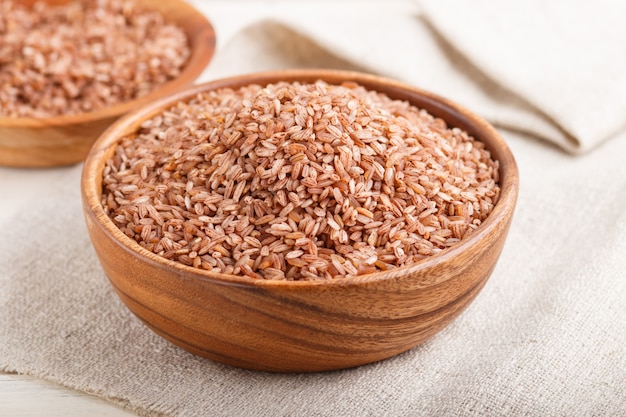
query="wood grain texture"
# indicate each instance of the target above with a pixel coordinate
(26, 396)
(65, 140)
(301, 326)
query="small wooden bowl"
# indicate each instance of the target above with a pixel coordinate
(300, 325)
(65, 140)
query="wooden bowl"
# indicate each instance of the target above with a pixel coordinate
(64, 140)
(300, 326)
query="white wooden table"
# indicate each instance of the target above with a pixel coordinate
(22, 396)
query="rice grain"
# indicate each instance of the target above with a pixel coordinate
(294, 181)
(83, 56)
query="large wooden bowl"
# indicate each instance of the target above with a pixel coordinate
(64, 140)
(300, 326)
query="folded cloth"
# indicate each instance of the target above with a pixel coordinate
(565, 60)
(553, 69)
(396, 44)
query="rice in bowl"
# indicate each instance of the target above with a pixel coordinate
(84, 56)
(298, 181)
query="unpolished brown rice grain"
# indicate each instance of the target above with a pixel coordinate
(298, 182)
(83, 56)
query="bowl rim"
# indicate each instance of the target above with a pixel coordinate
(202, 42)
(91, 178)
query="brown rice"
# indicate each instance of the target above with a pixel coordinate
(298, 181)
(83, 56)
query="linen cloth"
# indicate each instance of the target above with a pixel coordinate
(544, 338)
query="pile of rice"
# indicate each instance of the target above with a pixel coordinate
(83, 56)
(298, 181)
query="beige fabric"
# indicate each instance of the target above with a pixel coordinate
(544, 338)
(554, 69)
(564, 59)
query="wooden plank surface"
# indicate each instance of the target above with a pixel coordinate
(25, 396)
